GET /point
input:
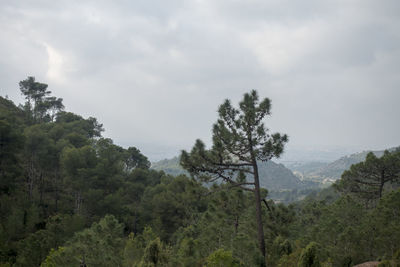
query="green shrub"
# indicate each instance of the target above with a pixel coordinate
(309, 256)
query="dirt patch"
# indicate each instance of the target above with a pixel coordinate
(368, 264)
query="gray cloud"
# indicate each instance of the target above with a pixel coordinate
(154, 72)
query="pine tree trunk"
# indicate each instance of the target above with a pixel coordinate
(41, 189)
(31, 174)
(236, 224)
(56, 189)
(78, 202)
(260, 235)
(381, 184)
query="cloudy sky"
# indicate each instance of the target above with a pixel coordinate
(154, 72)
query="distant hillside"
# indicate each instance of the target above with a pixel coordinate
(169, 166)
(335, 169)
(273, 176)
(304, 170)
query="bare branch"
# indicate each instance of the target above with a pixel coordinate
(266, 204)
(229, 187)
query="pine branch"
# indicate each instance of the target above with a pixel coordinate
(229, 187)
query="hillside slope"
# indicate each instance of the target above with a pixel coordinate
(335, 169)
(273, 176)
(169, 166)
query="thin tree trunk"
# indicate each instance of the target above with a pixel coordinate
(78, 202)
(236, 224)
(260, 233)
(261, 241)
(41, 187)
(382, 183)
(31, 174)
(56, 189)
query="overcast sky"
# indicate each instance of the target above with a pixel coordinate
(154, 72)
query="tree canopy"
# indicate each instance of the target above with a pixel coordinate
(367, 180)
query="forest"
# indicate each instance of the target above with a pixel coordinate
(70, 197)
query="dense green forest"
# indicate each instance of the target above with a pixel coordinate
(69, 197)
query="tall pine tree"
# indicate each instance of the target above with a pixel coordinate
(240, 139)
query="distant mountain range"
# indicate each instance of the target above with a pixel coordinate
(291, 182)
(331, 171)
(273, 176)
(278, 177)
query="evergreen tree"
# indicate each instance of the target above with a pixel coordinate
(99, 245)
(39, 104)
(367, 180)
(240, 138)
(309, 257)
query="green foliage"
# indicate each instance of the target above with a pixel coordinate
(40, 106)
(188, 252)
(225, 224)
(280, 248)
(396, 255)
(134, 159)
(146, 249)
(386, 224)
(11, 143)
(99, 245)
(221, 258)
(34, 248)
(172, 204)
(53, 164)
(239, 139)
(310, 256)
(133, 251)
(291, 259)
(385, 263)
(155, 254)
(368, 179)
(88, 128)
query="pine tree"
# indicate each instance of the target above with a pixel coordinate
(368, 179)
(240, 139)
